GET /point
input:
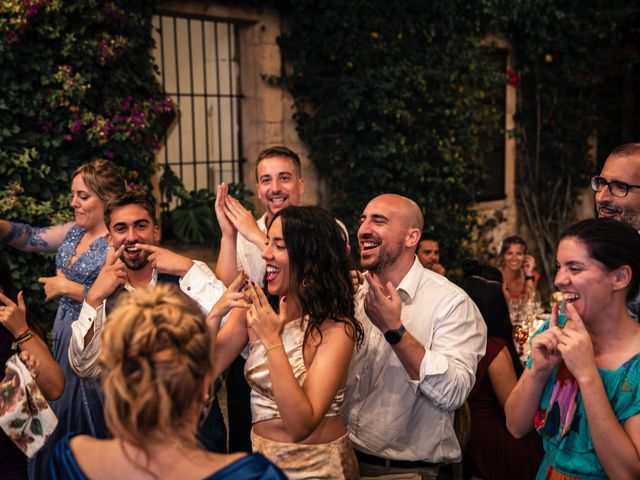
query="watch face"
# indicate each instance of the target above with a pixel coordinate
(394, 336)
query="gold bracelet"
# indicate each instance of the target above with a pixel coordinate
(272, 347)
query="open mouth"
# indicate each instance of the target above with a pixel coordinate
(278, 200)
(272, 273)
(132, 251)
(568, 297)
(366, 245)
(607, 210)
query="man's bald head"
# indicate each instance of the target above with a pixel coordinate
(407, 209)
(390, 228)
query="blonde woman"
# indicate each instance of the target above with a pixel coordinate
(156, 372)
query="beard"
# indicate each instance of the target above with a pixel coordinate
(136, 263)
(631, 217)
(387, 256)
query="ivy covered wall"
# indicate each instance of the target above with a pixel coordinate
(77, 83)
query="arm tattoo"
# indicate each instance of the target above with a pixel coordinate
(33, 235)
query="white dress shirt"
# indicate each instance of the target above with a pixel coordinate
(389, 414)
(249, 256)
(199, 283)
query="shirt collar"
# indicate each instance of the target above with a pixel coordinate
(409, 283)
(152, 283)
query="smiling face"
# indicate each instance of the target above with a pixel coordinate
(583, 281)
(385, 233)
(514, 256)
(626, 209)
(277, 257)
(87, 207)
(131, 224)
(279, 184)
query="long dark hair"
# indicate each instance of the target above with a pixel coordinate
(489, 297)
(319, 268)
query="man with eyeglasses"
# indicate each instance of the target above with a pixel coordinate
(618, 192)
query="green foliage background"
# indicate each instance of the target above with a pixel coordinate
(77, 83)
(392, 97)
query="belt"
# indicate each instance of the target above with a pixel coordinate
(386, 462)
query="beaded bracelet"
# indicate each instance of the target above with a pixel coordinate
(272, 347)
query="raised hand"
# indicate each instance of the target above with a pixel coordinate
(226, 227)
(357, 279)
(166, 261)
(112, 276)
(13, 316)
(545, 355)
(265, 323)
(439, 269)
(574, 344)
(529, 265)
(233, 297)
(56, 286)
(244, 222)
(382, 304)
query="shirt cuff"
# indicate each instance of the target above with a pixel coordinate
(86, 319)
(433, 363)
(201, 284)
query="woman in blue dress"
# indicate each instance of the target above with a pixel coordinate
(81, 248)
(581, 390)
(156, 364)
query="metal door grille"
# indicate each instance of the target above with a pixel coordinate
(198, 60)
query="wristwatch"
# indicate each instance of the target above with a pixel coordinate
(393, 336)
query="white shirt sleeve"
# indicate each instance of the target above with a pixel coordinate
(448, 368)
(201, 285)
(83, 358)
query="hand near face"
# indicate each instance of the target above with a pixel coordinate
(357, 279)
(265, 323)
(233, 297)
(12, 315)
(574, 344)
(545, 355)
(112, 276)
(166, 261)
(226, 227)
(54, 287)
(382, 304)
(529, 265)
(438, 268)
(242, 219)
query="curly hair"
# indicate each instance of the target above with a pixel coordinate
(102, 177)
(154, 359)
(319, 268)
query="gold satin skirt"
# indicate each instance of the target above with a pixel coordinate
(334, 460)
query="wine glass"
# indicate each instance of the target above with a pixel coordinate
(521, 335)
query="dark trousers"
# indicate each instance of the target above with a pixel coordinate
(238, 408)
(212, 432)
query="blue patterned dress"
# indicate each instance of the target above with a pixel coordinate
(80, 408)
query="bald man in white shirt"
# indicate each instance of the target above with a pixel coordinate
(423, 340)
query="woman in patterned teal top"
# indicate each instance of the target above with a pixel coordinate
(581, 388)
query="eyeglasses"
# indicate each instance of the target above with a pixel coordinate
(617, 188)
